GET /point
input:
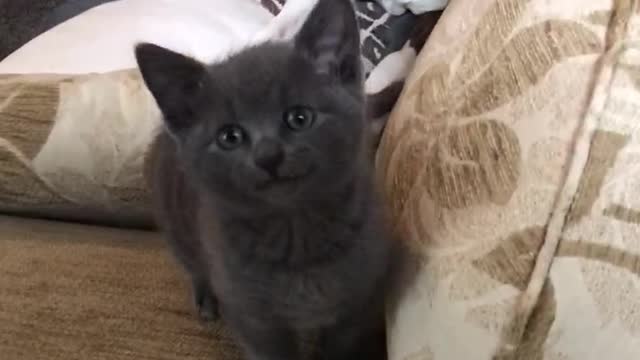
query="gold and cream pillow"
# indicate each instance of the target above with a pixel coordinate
(73, 147)
(512, 166)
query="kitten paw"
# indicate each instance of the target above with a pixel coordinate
(206, 303)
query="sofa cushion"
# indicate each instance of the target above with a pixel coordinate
(73, 147)
(510, 163)
(71, 292)
(101, 39)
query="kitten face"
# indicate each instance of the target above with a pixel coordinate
(271, 128)
(278, 123)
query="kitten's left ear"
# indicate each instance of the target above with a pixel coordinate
(175, 81)
(330, 37)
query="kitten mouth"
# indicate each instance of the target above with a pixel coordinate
(282, 181)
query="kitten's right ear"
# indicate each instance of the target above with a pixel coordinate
(175, 81)
(330, 38)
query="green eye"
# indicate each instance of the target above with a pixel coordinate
(230, 137)
(299, 118)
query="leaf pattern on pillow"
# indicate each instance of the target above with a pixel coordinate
(494, 28)
(461, 172)
(26, 113)
(611, 275)
(20, 187)
(26, 118)
(495, 86)
(520, 115)
(512, 261)
(600, 17)
(404, 175)
(438, 96)
(605, 146)
(72, 147)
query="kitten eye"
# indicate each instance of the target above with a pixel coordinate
(230, 137)
(299, 118)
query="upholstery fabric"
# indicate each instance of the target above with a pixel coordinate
(101, 39)
(75, 292)
(73, 147)
(511, 167)
(389, 45)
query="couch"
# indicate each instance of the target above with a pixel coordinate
(509, 163)
(83, 273)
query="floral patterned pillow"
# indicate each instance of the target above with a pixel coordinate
(510, 163)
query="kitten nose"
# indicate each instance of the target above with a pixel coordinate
(268, 155)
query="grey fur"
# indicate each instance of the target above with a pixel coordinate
(282, 232)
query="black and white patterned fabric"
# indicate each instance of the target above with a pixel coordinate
(389, 43)
(381, 32)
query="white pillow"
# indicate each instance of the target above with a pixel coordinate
(102, 38)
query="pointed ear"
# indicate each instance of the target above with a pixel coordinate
(330, 37)
(176, 81)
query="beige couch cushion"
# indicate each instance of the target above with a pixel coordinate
(511, 164)
(74, 146)
(72, 292)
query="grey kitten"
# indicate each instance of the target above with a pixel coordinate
(263, 185)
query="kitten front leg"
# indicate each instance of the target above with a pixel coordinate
(185, 251)
(261, 341)
(354, 338)
(205, 301)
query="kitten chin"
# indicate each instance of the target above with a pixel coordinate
(263, 187)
